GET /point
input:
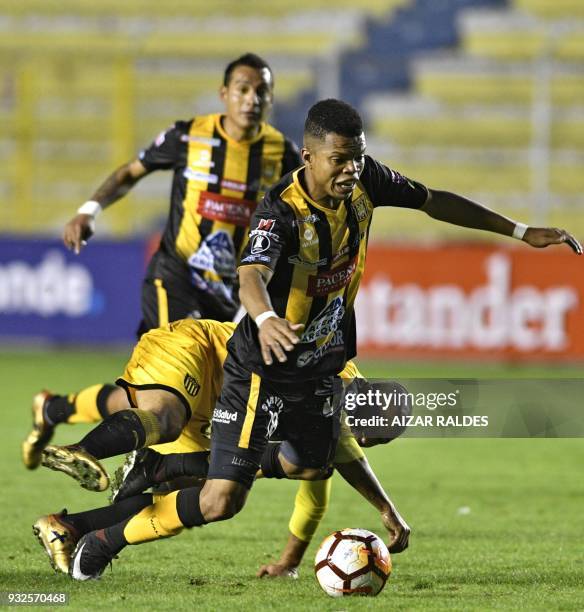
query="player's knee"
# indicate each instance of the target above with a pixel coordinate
(171, 422)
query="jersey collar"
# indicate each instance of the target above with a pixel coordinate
(226, 136)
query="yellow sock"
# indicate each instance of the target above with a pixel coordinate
(85, 403)
(160, 520)
(310, 506)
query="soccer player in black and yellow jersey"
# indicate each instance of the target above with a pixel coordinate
(299, 276)
(222, 165)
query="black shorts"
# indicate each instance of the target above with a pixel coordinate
(168, 294)
(251, 411)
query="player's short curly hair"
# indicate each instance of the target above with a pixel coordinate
(248, 59)
(335, 116)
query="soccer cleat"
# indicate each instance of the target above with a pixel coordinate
(57, 538)
(91, 556)
(41, 433)
(135, 475)
(77, 463)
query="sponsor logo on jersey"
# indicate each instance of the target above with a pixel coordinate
(210, 142)
(270, 170)
(224, 416)
(195, 175)
(266, 225)
(334, 344)
(235, 460)
(360, 208)
(340, 254)
(325, 322)
(255, 258)
(331, 280)
(234, 185)
(312, 218)
(223, 208)
(216, 254)
(274, 406)
(298, 261)
(191, 385)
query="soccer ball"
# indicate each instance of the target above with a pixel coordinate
(352, 562)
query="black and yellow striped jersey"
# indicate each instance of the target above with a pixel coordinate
(317, 255)
(216, 186)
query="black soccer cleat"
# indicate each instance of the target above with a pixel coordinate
(91, 556)
(138, 473)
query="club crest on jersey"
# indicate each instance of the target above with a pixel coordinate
(191, 385)
(360, 208)
(326, 322)
(260, 243)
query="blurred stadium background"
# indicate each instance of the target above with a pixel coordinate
(481, 97)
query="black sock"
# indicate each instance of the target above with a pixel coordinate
(176, 465)
(270, 463)
(188, 508)
(99, 518)
(120, 433)
(101, 399)
(58, 409)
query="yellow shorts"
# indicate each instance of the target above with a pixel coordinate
(184, 358)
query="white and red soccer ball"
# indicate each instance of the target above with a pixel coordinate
(352, 562)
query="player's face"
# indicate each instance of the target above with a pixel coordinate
(247, 97)
(333, 166)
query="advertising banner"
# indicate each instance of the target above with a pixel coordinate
(465, 301)
(48, 294)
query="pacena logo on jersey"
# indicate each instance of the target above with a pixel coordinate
(325, 322)
(331, 280)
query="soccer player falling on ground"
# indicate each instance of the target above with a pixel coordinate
(299, 275)
(155, 375)
(222, 164)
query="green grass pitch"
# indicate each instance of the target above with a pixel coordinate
(518, 547)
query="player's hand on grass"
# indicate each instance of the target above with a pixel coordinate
(399, 530)
(541, 237)
(278, 336)
(277, 570)
(78, 231)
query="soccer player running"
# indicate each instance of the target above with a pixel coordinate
(299, 276)
(222, 165)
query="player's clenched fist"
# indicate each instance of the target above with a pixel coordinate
(277, 336)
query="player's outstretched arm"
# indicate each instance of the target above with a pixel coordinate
(81, 227)
(276, 335)
(455, 209)
(360, 476)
